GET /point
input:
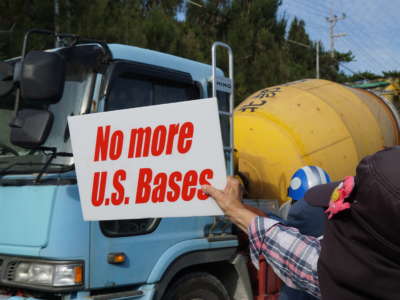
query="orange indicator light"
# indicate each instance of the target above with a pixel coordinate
(78, 274)
(116, 258)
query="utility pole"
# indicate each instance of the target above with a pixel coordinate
(316, 54)
(56, 22)
(332, 20)
(317, 59)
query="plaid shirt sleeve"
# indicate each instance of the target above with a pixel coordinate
(292, 255)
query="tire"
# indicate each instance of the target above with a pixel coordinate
(197, 286)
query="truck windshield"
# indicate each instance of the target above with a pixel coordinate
(17, 160)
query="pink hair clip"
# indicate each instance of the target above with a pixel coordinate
(341, 192)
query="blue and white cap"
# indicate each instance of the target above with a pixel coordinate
(304, 179)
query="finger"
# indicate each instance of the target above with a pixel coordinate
(233, 185)
(212, 191)
(230, 181)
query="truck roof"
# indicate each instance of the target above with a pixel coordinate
(199, 71)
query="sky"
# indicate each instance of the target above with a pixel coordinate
(372, 29)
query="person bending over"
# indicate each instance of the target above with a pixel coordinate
(359, 256)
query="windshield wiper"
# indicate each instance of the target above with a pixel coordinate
(52, 156)
(46, 164)
(6, 168)
(7, 149)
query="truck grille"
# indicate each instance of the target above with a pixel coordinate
(11, 270)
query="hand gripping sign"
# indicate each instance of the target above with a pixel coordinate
(149, 161)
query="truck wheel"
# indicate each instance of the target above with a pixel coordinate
(197, 286)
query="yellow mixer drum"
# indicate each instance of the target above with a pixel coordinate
(309, 122)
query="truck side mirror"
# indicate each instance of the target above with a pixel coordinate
(6, 78)
(31, 127)
(42, 77)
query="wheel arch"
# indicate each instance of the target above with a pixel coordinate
(210, 260)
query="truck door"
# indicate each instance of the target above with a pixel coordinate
(142, 240)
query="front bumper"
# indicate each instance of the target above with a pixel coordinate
(145, 292)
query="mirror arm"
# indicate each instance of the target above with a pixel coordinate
(25, 46)
(48, 32)
(76, 40)
(13, 122)
(106, 50)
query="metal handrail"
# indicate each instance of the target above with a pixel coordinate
(230, 170)
(214, 80)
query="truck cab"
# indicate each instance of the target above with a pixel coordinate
(47, 250)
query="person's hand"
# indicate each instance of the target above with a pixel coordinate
(230, 201)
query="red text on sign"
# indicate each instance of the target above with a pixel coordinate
(162, 186)
(106, 145)
(145, 141)
(99, 189)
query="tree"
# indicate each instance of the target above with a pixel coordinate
(258, 37)
(301, 51)
(363, 76)
(391, 74)
(25, 15)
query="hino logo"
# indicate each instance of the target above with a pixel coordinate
(224, 84)
(227, 85)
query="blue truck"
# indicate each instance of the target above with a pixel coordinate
(47, 250)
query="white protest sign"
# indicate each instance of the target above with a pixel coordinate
(149, 162)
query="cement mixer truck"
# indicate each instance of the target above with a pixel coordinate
(308, 122)
(47, 250)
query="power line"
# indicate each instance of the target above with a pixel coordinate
(359, 40)
(375, 41)
(310, 47)
(318, 10)
(315, 10)
(363, 50)
(307, 22)
(359, 37)
(370, 61)
(347, 68)
(355, 39)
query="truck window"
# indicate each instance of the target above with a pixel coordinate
(129, 93)
(121, 228)
(129, 90)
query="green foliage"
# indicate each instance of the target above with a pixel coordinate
(25, 15)
(263, 55)
(391, 74)
(363, 76)
(301, 51)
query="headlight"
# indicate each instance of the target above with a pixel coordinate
(56, 275)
